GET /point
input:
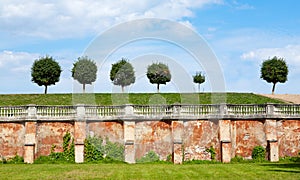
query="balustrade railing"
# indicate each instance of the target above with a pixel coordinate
(148, 111)
(152, 110)
(102, 111)
(287, 109)
(246, 109)
(56, 111)
(13, 111)
(198, 110)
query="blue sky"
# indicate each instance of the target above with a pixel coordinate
(240, 33)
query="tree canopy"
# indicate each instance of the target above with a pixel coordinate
(45, 72)
(84, 71)
(122, 73)
(199, 78)
(274, 70)
(158, 73)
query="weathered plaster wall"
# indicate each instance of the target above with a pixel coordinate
(11, 139)
(245, 135)
(163, 137)
(51, 133)
(155, 136)
(288, 132)
(199, 136)
(111, 129)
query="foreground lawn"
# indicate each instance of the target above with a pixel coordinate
(151, 171)
(133, 98)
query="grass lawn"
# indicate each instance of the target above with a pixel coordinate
(151, 171)
(134, 98)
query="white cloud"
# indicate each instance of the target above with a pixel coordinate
(17, 60)
(241, 6)
(71, 18)
(291, 53)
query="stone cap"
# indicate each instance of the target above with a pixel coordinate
(177, 141)
(29, 144)
(272, 140)
(129, 142)
(225, 141)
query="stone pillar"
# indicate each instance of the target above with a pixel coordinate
(270, 109)
(224, 130)
(79, 134)
(30, 135)
(79, 137)
(129, 137)
(177, 133)
(29, 153)
(128, 110)
(273, 154)
(30, 142)
(271, 136)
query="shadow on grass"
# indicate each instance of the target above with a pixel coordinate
(284, 167)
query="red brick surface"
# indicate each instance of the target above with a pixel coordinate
(288, 137)
(246, 135)
(52, 133)
(12, 139)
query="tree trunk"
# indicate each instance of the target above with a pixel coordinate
(157, 88)
(273, 89)
(122, 89)
(83, 88)
(199, 88)
(46, 88)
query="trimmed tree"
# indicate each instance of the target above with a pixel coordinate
(45, 72)
(84, 71)
(199, 78)
(122, 73)
(274, 70)
(158, 73)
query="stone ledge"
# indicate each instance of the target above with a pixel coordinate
(29, 144)
(209, 117)
(129, 142)
(225, 141)
(272, 141)
(177, 142)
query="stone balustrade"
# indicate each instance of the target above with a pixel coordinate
(189, 112)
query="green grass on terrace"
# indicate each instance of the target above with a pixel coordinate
(262, 171)
(133, 98)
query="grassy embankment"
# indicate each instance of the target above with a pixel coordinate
(134, 98)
